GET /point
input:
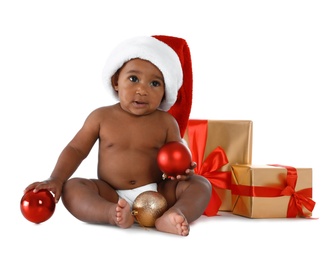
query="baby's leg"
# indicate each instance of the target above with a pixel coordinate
(187, 201)
(94, 201)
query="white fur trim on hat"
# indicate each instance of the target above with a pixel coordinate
(155, 51)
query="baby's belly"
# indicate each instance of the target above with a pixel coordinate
(129, 170)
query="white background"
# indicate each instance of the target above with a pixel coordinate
(272, 62)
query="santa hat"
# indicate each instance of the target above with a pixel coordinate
(171, 55)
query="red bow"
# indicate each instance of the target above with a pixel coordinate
(298, 200)
(210, 167)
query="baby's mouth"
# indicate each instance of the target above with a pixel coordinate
(137, 102)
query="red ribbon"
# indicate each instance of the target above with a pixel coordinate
(210, 167)
(298, 199)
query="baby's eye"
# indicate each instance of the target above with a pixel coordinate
(133, 78)
(155, 83)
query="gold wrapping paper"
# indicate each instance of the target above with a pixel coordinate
(266, 176)
(235, 137)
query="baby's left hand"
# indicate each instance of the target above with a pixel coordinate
(189, 172)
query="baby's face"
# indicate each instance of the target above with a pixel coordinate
(140, 86)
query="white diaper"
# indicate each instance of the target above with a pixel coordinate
(130, 195)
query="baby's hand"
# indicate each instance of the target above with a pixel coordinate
(53, 185)
(189, 172)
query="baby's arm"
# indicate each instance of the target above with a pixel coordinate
(71, 157)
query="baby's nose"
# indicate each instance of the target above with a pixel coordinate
(141, 90)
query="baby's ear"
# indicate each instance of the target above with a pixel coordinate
(114, 81)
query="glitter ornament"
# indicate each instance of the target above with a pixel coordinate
(147, 207)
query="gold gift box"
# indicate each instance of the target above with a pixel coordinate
(258, 179)
(235, 137)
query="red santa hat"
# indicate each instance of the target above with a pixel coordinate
(171, 55)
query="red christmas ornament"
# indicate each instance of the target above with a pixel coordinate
(173, 159)
(37, 207)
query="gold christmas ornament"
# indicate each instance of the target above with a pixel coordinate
(147, 207)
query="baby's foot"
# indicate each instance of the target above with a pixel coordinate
(123, 217)
(173, 222)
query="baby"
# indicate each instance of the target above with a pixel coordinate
(145, 74)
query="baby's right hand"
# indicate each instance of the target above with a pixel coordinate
(54, 185)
